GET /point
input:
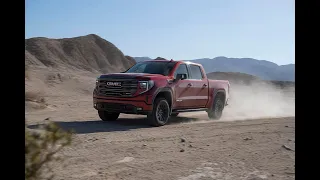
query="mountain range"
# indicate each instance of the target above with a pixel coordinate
(95, 54)
(265, 70)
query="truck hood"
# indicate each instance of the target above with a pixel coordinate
(129, 75)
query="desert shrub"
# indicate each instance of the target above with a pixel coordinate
(41, 148)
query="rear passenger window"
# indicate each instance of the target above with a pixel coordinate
(182, 69)
(196, 72)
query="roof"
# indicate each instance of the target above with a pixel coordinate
(180, 61)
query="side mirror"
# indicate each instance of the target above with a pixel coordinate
(181, 77)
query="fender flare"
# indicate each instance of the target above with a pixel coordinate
(165, 89)
(219, 91)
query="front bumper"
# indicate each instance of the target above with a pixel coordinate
(121, 106)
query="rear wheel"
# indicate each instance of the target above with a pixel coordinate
(218, 105)
(174, 114)
(108, 116)
(160, 113)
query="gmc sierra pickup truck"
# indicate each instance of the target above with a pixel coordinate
(159, 89)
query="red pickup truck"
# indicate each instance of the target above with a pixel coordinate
(159, 89)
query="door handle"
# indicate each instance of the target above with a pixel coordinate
(205, 85)
(189, 85)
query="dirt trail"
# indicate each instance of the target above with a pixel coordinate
(189, 147)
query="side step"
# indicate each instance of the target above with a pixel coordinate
(189, 110)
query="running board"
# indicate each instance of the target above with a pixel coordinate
(189, 110)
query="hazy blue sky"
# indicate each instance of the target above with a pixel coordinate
(178, 29)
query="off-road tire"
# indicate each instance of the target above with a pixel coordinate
(160, 113)
(215, 112)
(108, 116)
(174, 114)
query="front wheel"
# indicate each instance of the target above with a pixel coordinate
(108, 116)
(160, 113)
(216, 111)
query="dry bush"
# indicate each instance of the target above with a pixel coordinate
(41, 148)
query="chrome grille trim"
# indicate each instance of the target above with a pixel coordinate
(128, 87)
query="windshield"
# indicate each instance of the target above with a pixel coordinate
(152, 67)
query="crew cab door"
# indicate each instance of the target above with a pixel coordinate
(199, 86)
(182, 89)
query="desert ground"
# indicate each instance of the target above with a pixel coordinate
(255, 139)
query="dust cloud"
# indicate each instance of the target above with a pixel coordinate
(260, 100)
(255, 101)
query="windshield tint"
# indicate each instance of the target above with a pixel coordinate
(152, 67)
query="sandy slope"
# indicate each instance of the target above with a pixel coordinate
(128, 149)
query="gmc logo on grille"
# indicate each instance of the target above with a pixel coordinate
(114, 84)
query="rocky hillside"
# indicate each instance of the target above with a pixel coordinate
(263, 69)
(89, 52)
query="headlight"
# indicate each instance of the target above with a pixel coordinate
(97, 82)
(145, 85)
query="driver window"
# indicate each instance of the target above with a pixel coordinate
(182, 69)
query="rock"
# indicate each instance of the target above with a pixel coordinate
(42, 100)
(190, 145)
(291, 140)
(181, 150)
(286, 126)
(183, 140)
(247, 138)
(256, 177)
(144, 145)
(287, 147)
(46, 119)
(59, 76)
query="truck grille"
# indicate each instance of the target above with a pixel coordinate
(117, 88)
